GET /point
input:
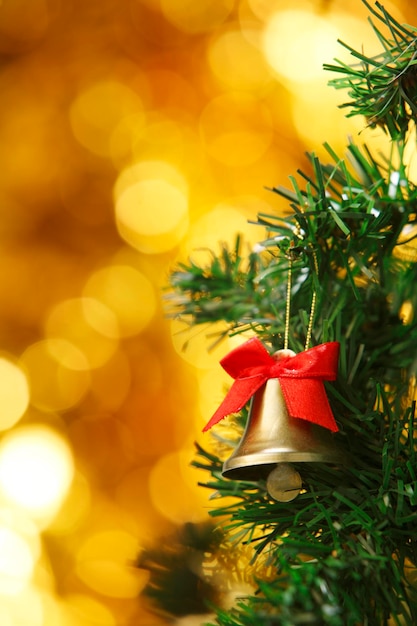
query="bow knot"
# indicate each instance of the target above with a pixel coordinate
(301, 378)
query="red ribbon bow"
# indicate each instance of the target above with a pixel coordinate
(251, 366)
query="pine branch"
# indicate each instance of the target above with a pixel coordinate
(177, 585)
(383, 88)
(241, 291)
(352, 527)
(345, 549)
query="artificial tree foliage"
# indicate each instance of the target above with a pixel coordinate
(345, 550)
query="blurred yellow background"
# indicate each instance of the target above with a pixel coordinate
(133, 135)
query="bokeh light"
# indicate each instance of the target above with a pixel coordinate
(238, 63)
(128, 293)
(135, 135)
(177, 499)
(14, 393)
(83, 610)
(114, 446)
(36, 470)
(196, 17)
(236, 128)
(152, 206)
(89, 325)
(111, 382)
(97, 113)
(223, 222)
(26, 608)
(58, 374)
(103, 564)
(16, 563)
(74, 509)
(297, 42)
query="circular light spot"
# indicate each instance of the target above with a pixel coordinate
(102, 564)
(196, 17)
(58, 374)
(237, 63)
(89, 325)
(236, 129)
(297, 42)
(150, 170)
(16, 562)
(98, 111)
(14, 393)
(151, 207)
(36, 470)
(128, 293)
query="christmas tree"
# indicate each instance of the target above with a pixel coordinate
(337, 271)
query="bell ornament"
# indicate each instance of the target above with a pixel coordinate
(273, 437)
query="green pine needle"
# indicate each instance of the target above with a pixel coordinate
(383, 88)
(346, 548)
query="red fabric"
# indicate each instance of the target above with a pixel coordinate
(300, 376)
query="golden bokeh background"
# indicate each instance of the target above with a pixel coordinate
(133, 135)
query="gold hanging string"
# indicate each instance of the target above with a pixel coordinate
(313, 304)
(288, 302)
(297, 232)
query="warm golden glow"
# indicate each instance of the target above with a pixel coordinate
(199, 346)
(134, 134)
(176, 498)
(236, 128)
(14, 393)
(58, 374)
(237, 62)
(152, 206)
(196, 17)
(27, 608)
(297, 42)
(224, 221)
(16, 562)
(111, 382)
(103, 564)
(97, 113)
(128, 293)
(163, 137)
(36, 470)
(324, 113)
(83, 610)
(88, 324)
(20, 30)
(74, 509)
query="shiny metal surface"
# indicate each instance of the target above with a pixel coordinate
(272, 436)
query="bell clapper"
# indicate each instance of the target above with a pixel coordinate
(284, 483)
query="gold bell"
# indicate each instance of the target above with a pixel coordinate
(273, 439)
